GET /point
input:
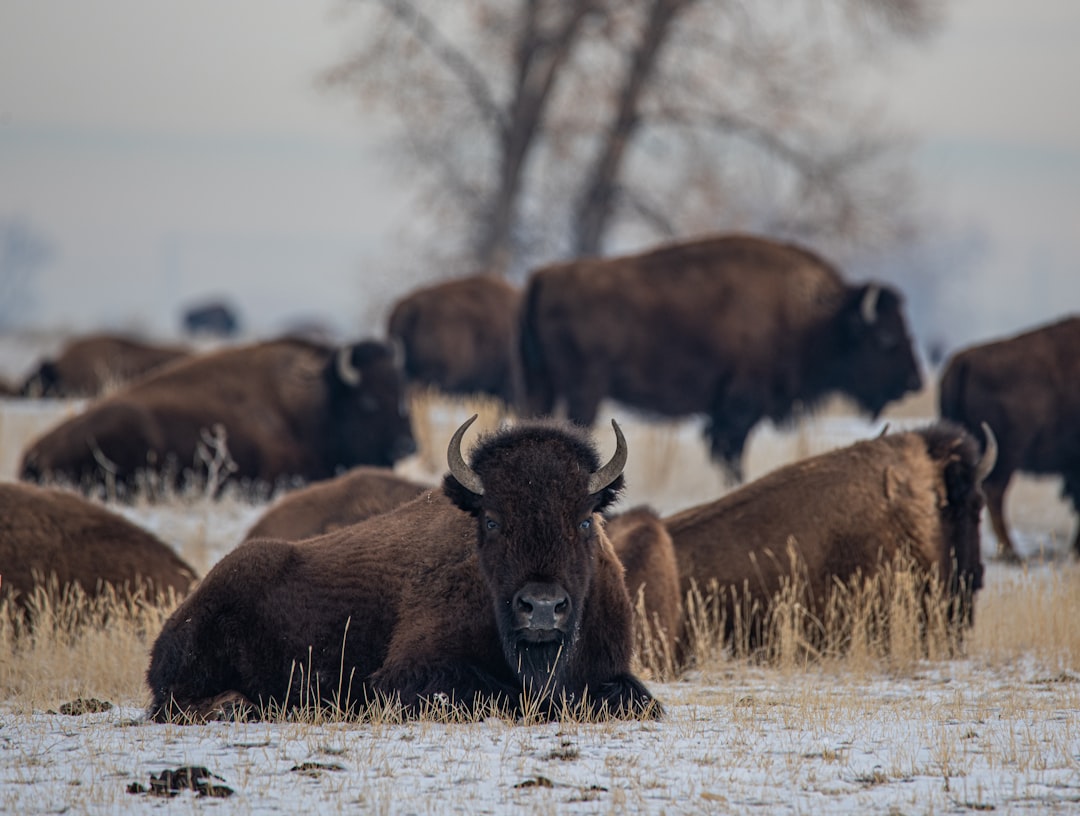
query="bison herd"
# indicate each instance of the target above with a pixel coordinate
(517, 586)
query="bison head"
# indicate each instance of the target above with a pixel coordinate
(536, 490)
(369, 423)
(876, 363)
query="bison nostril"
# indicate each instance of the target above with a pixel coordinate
(524, 606)
(562, 607)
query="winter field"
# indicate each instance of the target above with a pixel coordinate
(995, 729)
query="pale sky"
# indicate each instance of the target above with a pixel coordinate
(170, 151)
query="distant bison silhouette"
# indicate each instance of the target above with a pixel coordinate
(285, 409)
(48, 535)
(87, 366)
(1027, 388)
(841, 514)
(329, 505)
(213, 318)
(458, 335)
(501, 593)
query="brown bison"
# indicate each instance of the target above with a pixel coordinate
(502, 592)
(88, 366)
(842, 514)
(285, 409)
(329, 505)
(1027, 388)
(738, 328)
(647, 554)
(458, 336)
(47, 534)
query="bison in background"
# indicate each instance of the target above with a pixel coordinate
(502, 592)
(458, 336)
(647, 554)
(738, 328)
(1027, 388)
(841, 514)
(334, 503)
(88, 366)
(284, 409)
(48, 534)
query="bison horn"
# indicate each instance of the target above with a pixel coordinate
(614, 468)
(349, 374)
(989, 457)
(868, 307)
(466, 476)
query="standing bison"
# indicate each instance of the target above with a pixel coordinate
(51, 535)
(501, 592)
(737, 328)
(285, 409)
(331, 504)
(87, 366)
(841, 515)
(1027, 388)
(458, 336)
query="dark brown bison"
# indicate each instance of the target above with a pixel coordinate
(502, 591)
(284, 408)
(1027, 388)
(47, 534)
(87, 366)
(334, 503)
(647, 553)
(842, 514)
(458, 336)
(737, 328)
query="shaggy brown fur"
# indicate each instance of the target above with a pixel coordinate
(434, 601)
(459, 335)
(647, 554)
(842, 513)
(46, 533)
(737, 328)
(283, 405)
(335, 503)
(1027, 389)
(89, 365)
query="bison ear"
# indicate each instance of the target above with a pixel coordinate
(461, 496)
(609, 495)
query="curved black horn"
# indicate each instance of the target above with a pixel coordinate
(349, 374)
(614, 468)
(461, 471)
(989, 457)
(868, 306)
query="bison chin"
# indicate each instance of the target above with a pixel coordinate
(541, 663)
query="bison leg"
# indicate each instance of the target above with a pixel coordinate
(995, 504)
(625, 696)
(462, 685)
(229, 705)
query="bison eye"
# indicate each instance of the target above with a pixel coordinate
(491, 524)
(585, 525)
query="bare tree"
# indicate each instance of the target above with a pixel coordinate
(548, 128)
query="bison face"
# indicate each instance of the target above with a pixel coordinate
(369, 423)
(535, 492)
(877, 363)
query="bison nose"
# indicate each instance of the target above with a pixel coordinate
(541, 606)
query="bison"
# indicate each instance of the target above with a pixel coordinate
(647, 553)
(90, 365)
(842, 514)
(51, 535)
(285, 409)
(329, 505)
(501, 592)
(458, 336)
(738, 328)
(1027, 388)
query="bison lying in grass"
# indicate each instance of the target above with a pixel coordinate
(55, 538)
(501, 593)
(838, 518)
